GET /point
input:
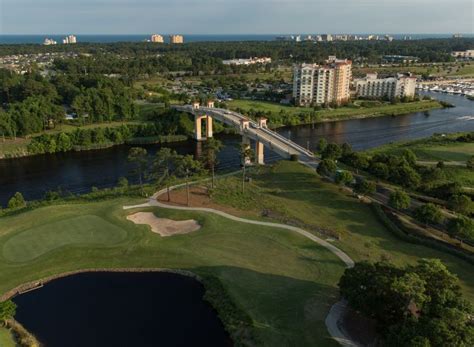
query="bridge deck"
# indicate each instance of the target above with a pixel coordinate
(269, 138)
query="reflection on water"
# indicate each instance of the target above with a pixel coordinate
(93, 309)
(79, 171)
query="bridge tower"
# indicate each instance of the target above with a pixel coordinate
(259, 147)
(198, 118)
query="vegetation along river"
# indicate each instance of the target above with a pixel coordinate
(77, 172)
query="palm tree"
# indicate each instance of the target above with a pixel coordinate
(246, 154)
(186, 166)
(163, 166)
(138, 157)
(209, 156)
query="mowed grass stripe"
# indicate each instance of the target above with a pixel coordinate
(82, 230)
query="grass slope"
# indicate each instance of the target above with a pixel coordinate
(284, 281)
(293, 193)
(6, 338)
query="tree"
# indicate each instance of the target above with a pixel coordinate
(322, 144)
(460, 203)
(418, 305)
(16, 201)
(209, 156)
(343, 177)
(332, 151)
(462, 227)
(399, 200)
(186, 167)
(326, 167)
(138, 157)
(7, 310)
(246, 154)
(364, 187)
(470, 163)
(428, 213)
(409, 156)
(163, 166)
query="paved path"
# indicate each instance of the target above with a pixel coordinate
(334, 318)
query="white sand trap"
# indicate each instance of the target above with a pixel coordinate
(164, 226)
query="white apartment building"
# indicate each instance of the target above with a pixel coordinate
(49, 42)
(391, 87)
(69, 39)
(316, 84)
(468, 54)
(250, 61)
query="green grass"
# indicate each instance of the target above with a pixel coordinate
(6, 338)
(285, 282)
(339, 113)
(82, 230)
(293, 193)
(429, 150)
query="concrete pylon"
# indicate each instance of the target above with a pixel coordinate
(198, 127)
(259, 154)
(208, 127)
(246, 144)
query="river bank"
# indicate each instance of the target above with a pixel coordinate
(23, 147)
(283, 115)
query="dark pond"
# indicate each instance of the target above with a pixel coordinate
(121, 309)
(77, 172)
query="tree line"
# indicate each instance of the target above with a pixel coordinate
(31, 103)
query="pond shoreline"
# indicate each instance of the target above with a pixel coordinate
(36, 284)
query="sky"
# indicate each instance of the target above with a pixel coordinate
(235, 16)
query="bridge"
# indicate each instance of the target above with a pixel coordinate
(248, 128)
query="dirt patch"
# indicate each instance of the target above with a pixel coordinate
(164, 226)
(199, 197)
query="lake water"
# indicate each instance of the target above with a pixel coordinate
(77, 172)
(121, 309)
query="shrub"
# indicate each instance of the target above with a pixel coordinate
(399, 200)
(428, 213)
(16, 201)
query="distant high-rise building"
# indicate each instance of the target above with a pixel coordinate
(69, 39)
(457, 36)
(316, 84)
(48, 42)
(157, 38)
(326, 37)
(176, 39)
(392, 87)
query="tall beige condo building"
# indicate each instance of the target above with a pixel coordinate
(157, 38)
(176, 39)
(322, 84)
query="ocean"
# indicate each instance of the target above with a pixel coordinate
(98, 38)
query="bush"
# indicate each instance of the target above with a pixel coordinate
(428, 213)
(399, 200)
(365, 187)
(16, 201)
(326, 167)
(7, 310)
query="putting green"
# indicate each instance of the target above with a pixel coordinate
(86, 230)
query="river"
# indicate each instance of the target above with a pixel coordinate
(77, 172)
(121, 309)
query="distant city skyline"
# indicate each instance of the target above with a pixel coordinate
(235, 17)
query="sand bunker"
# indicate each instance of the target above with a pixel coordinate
(164, 226)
